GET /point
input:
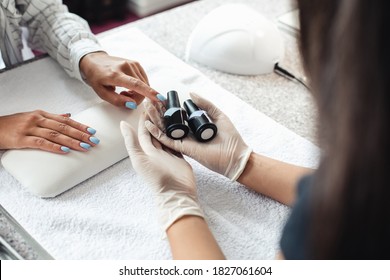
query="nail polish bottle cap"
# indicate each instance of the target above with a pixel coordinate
(201, 125)
(173, 99)
(175, 117)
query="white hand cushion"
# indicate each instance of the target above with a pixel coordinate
(47, 174)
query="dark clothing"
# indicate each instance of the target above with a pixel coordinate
(365, 234)
(295, 233)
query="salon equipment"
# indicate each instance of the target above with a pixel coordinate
(289, 22)
(235, 38)
(7, 252)
(48, 174)
(288, 75)
(200, 124)
(175, 117)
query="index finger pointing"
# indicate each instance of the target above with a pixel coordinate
(136, 85)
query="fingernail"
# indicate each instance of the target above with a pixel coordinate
(131, 105)
(65, 149)
(94, 140)
(161, 97)
(85, 146)
(91, 130)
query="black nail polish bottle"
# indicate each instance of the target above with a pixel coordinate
(200, 124)
(175, 117)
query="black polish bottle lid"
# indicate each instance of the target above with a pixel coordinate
(175, 117)
(201, 125)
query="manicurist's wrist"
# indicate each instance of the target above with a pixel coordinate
(191, 238)
(185, 222)
(243, 178)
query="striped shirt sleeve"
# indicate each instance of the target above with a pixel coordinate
(64, 36)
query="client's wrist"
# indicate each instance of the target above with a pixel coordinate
(87, 61)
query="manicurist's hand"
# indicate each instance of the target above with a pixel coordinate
(226, 154)
(104, 73)
(45, 131)
(167, 173)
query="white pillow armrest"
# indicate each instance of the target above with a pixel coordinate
(47, 174)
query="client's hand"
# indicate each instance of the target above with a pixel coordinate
(226, 154)
(103, 73)
(44, 131)
(170, 176)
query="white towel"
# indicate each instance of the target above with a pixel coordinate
(112, 215)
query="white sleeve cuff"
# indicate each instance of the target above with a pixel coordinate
(78, 50)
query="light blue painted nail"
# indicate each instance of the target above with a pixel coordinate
(161, 97)
(94, 140)
(65, 149)
(85, 146)
(91, 130)
(131, 105)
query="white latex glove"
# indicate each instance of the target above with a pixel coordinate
(170, 176)
(226, 154)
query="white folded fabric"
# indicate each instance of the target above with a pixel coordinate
(112, 215)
